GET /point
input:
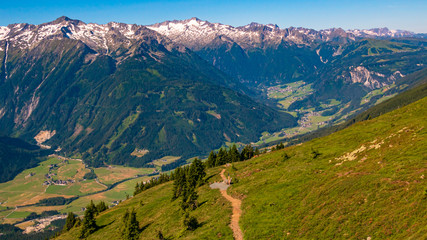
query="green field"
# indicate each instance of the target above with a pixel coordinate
(27, 189)
(289, 93)
(17, 214)
(165, 160)
(114, 173)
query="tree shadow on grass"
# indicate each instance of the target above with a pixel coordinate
(144, 227)
(211, 176)
(105, 225)
(200, 204)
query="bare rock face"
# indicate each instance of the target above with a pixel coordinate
(371, 79)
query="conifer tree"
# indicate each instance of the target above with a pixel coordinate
(196, 173)
(70, 222)
(179, 183)
(211, 162)
(101, 206)
(256, 153)
(89, 222)
(190, 223)
(234, 154)
(221, 158)
(130, 226)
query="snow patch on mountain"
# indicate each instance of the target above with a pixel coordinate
(196, 34)
(4, 31)
(100, 37)
(193, 33)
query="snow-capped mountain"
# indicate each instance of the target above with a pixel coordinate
(100, 37)
(195, 33)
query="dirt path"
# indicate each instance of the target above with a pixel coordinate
(237, 211)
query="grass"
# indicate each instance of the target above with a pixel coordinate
(379, 194)
(289, 93)
(165, 160)
(25, 189)
(114, 173)
(17, 214)
(156, 212)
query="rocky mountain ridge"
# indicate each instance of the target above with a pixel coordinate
(195, 33)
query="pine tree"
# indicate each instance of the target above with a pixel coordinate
(211, 162)
(234, 154)
(179, 183)
(130, 226)
(70, 222)
(101, 206)
(247, 152)
(137, 190)
(256, 152)
(89, 222)
(221, 158)
(196, 173)
(190, 223)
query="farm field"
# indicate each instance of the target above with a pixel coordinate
(165, 160)
(112, 174)
(18, 196)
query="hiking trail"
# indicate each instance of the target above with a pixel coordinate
(235, 203)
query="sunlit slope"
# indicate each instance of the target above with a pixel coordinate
(368, 180)
(157, 212)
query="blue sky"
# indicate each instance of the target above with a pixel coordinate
(394, 14)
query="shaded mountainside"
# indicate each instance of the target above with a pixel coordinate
(16, 156)
(366, 181)
(145, 95)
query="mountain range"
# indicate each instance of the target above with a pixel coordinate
(128, 94)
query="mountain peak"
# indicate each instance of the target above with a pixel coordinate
(63, 19)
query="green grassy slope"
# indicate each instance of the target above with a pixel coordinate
(159, 213)
(369, 181)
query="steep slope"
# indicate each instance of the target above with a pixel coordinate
(366, 181)
(416, 88)
(16, 156)
(108, 91)
(156, 212)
